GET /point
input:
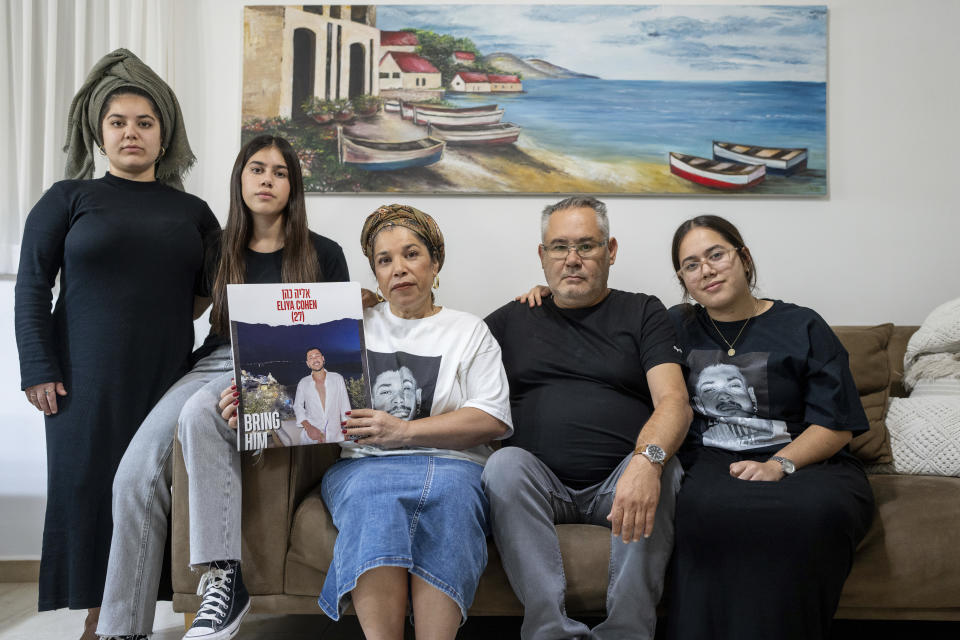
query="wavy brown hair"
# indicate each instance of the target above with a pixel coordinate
(299, 257)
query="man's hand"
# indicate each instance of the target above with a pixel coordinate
(769, 471)
(312, 432)
(635, 500)
(534, 297)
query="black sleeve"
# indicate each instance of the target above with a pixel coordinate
(211, 235)
(830, 395)
(658, 340)
(333, 264)
(41, 256)
(497, 322)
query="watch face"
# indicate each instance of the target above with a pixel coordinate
(654, 453)
(786, 464)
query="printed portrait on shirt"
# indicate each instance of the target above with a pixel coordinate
(403, 384)
(733, 395)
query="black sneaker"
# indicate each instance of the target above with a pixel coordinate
(225, 602)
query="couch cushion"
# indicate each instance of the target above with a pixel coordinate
(870, 366)
(311, 546)
(909, 558)
(925, 435)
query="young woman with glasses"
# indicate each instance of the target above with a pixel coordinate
(773, 504)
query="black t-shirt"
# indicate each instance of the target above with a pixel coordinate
(578, 386)
(266, 268)
(789, 371)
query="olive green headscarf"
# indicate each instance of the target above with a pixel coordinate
(401, 215)
(121, 68)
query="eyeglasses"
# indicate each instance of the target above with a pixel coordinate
(718, 259)
(560, 251)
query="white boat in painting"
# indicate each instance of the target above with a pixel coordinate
(457, 117)
(476, 134)
(718, 174)
(381, 155)
(391, 106)
(775, 159)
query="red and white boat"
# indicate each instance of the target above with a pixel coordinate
(775, 159)
(475, 134)
(718, 174)
(457, 116)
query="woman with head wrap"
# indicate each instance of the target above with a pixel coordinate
(129, 250)
(405, 495)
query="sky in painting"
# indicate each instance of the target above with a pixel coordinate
(640, 42)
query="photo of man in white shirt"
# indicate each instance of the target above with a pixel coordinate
(321, 402)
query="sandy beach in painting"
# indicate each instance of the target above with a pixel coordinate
(523, 167)
(526, 167)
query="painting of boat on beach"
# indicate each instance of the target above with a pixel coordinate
(712, 100)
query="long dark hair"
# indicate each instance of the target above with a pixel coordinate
(299, 257)
(729, 232)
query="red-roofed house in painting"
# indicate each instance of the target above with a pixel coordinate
(407, 71)
(470, 82)
(504, 83)
(402, 41)
(463, 57)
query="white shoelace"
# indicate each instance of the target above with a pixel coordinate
(213, 588)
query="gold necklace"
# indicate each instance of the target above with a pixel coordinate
(731, 351)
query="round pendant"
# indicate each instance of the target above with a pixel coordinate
(731, 352)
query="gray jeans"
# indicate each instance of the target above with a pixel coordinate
(141, 504)
(213, 472)
(527, 500)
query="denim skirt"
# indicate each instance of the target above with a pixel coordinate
(425, 513)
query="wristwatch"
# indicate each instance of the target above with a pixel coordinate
(786, 464)
(652, 452)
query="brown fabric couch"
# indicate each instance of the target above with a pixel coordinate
(907, 567)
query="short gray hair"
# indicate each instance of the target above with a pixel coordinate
(575, 202)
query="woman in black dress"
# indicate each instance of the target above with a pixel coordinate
(129, 250)
(772, 505)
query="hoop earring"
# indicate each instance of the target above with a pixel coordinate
(436, 281)
(103, 151)
(163, 150)
(380, 297)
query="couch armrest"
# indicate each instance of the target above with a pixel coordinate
(273, 486)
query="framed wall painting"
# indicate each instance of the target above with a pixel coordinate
(536, 99)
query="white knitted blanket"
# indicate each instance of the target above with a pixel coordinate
(925, 428)
(934, 350)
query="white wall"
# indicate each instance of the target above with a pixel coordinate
(881, 248)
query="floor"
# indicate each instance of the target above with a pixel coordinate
(19, 620)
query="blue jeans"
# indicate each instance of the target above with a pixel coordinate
(527, 500)
(141, 504)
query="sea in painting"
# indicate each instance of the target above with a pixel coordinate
(633, 105)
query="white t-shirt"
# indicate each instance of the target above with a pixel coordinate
(429, 367)
(307, 406)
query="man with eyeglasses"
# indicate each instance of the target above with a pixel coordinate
(599, 407)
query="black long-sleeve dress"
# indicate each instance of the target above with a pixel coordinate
(130, 257)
